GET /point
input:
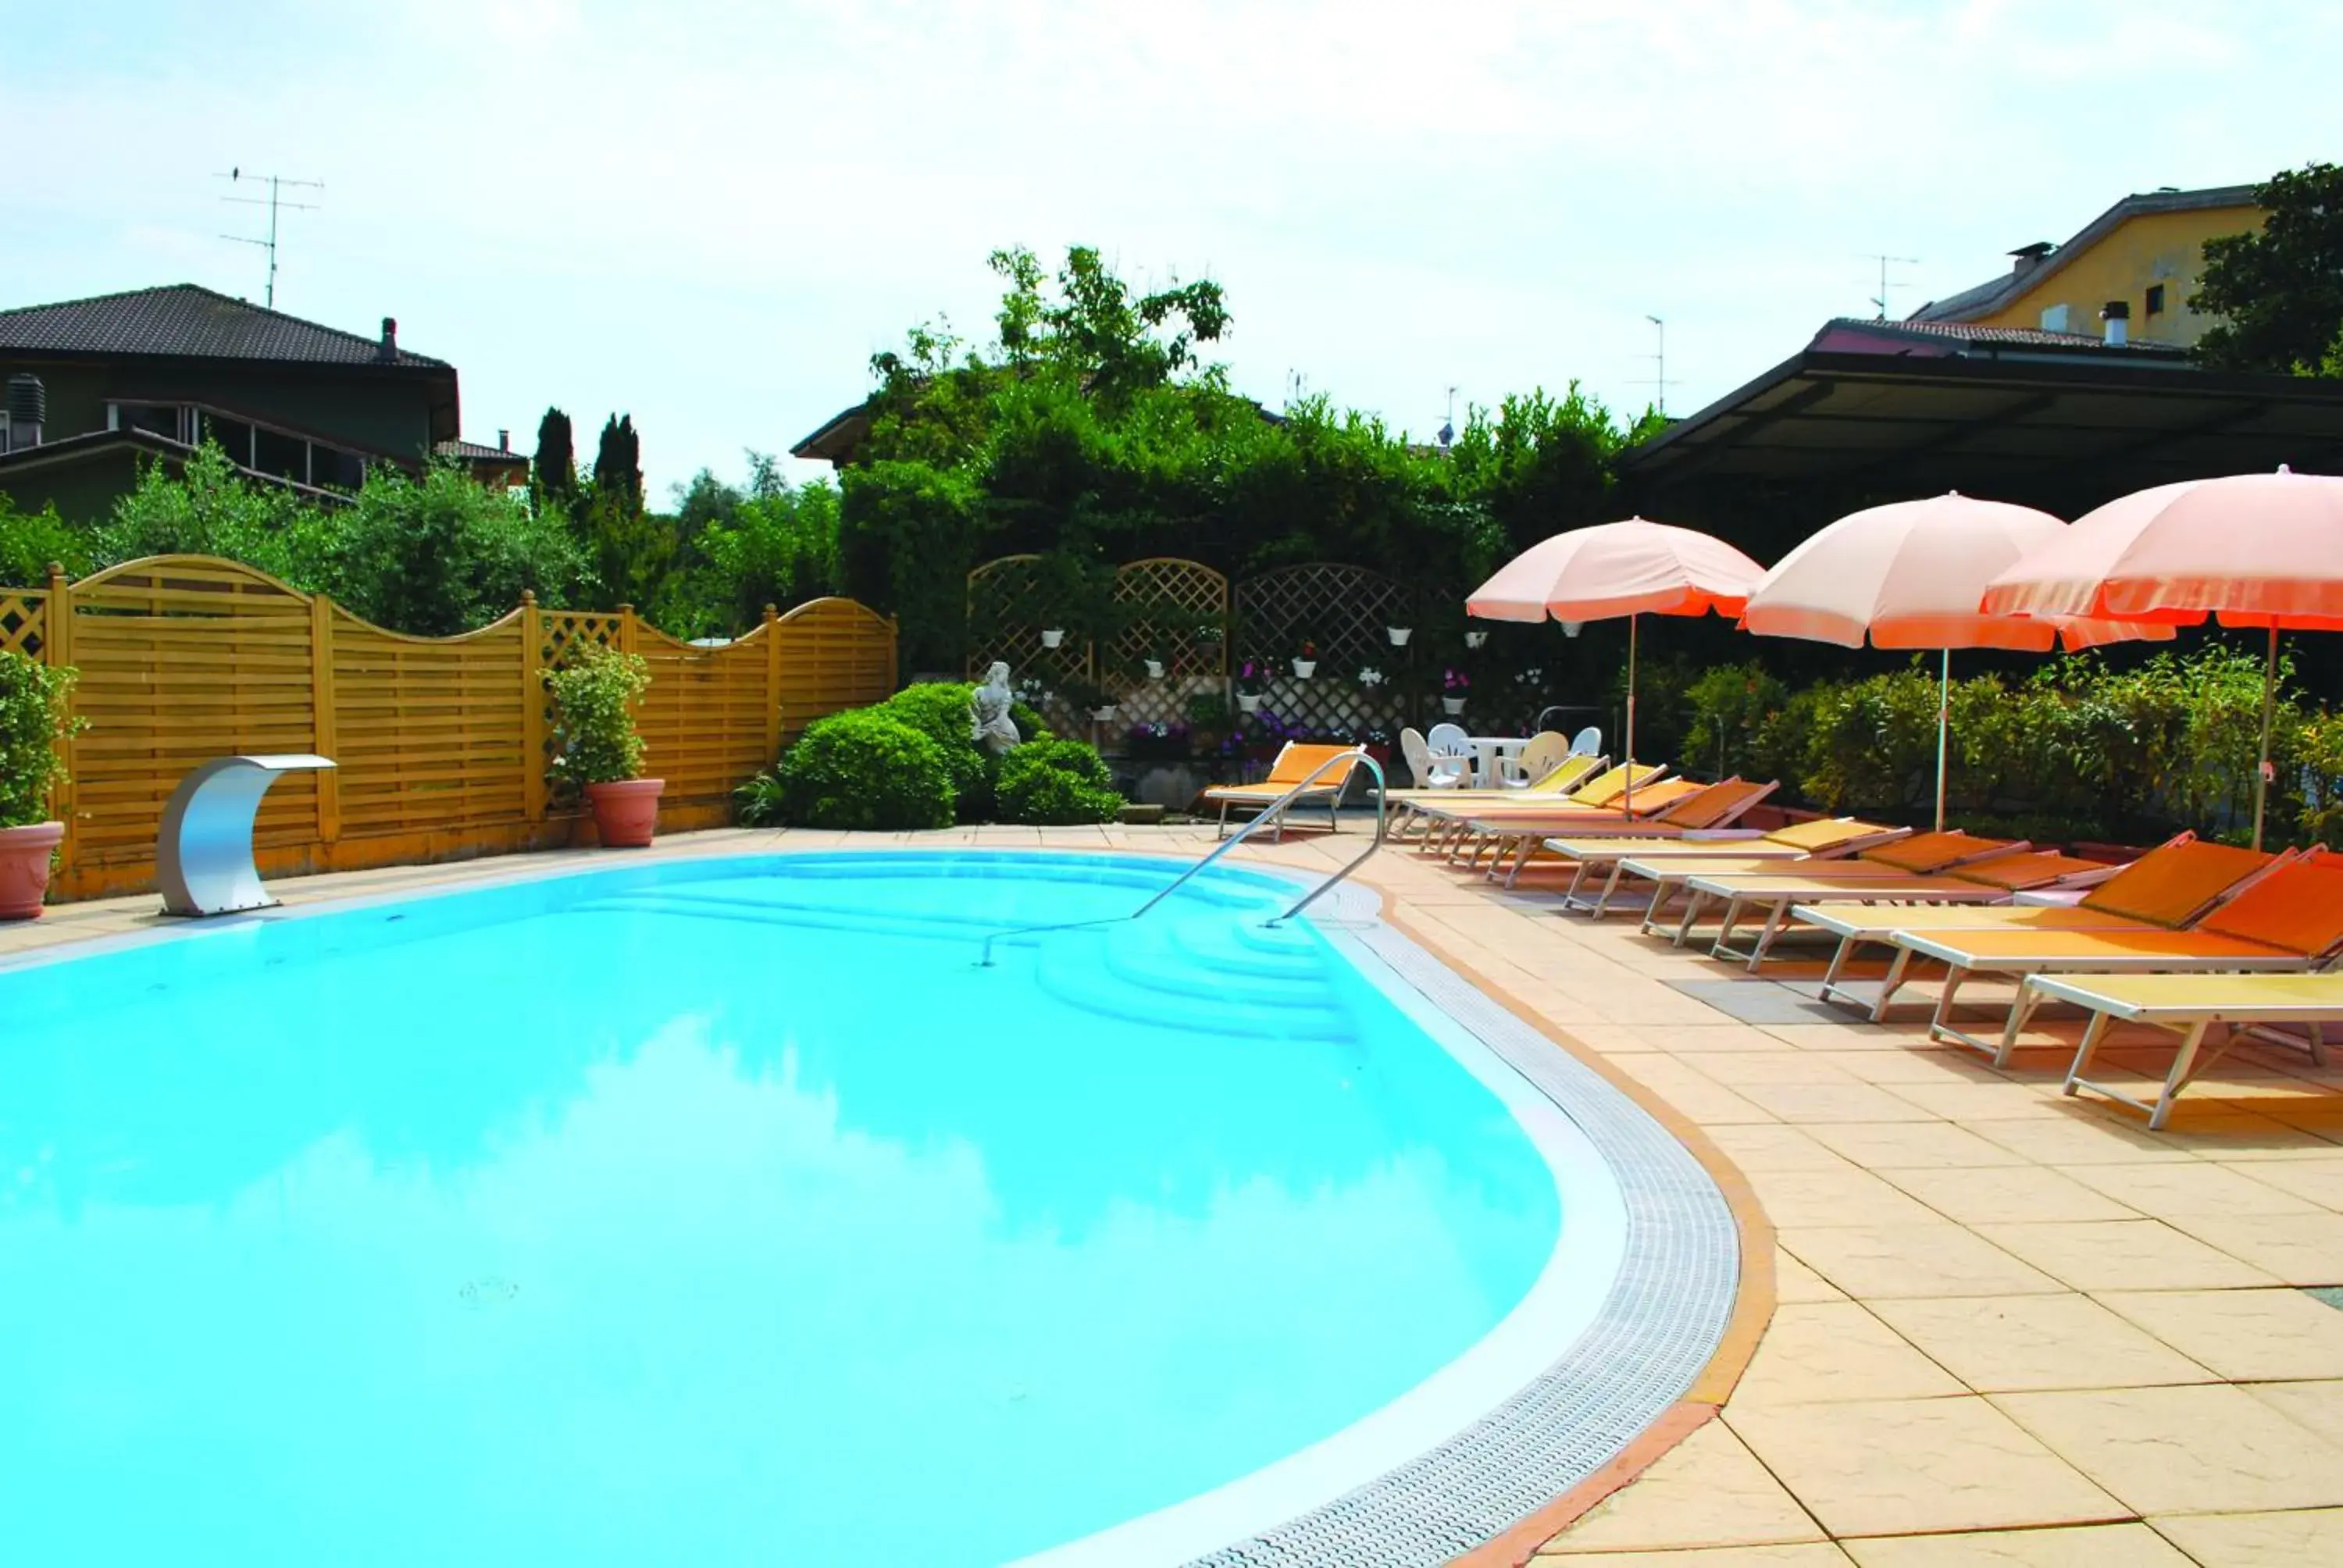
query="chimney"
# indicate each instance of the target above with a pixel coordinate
(2117, 314)
(2026, 258)
(504, 440)
(28, 410)
(389, 350)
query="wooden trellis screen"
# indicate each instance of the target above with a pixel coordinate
(1172, 611)
(441, 742)
(1345, 612)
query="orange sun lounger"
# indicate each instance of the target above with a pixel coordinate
(1705, 809)
(2288, 918)
(2190, 1005)
(1599, 798)
(1823, 838)
(1296, 763)
(1900, 855)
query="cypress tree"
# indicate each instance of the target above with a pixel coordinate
(554, 475)
(618, 461)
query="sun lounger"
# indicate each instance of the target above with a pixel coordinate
(1564, 777)
(2190, 1005)
(1447, 813)
(1823, 838)
(1294, 763)
(1501, 824)
(1890, 854)
(1708, 810)
(2288, 918)
(2162, 891)
(1989, 875)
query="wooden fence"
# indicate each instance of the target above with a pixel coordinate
(442, 742)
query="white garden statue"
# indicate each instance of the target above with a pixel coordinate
(990, 723)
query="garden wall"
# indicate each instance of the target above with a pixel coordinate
(442, 742)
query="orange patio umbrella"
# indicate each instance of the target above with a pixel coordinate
(1606, 570)
(1910, 575)
(2252, 549)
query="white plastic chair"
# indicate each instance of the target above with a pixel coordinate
(1541, 756)
(1587, 742)
(1431, 772)
(1449, 741)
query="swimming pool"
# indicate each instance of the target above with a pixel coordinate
(725, 1211)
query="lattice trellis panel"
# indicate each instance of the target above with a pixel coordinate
(1345, 611)
(1008, 605)
(1175, 612)
(22, 617)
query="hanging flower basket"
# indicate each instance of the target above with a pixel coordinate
(1248, 701)
(1304, 668)
(1154, 670)
(1399, 635)
(1105, 713)
(1053, 637)
(1472, 638)
(1452, 706)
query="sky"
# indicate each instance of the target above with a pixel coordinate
(710, 215)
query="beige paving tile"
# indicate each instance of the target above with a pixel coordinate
(1851, 1035)
(1707, 1040)
(2083, 1138)
(1976, 1103)
(1935, 1258)
(1814, 1554)
(2290, 1540)
(2166, 1189)
(1793, 1282)
(1913, 1144)
(1690, 1091)
(2122, 1254)
(1988, 1194)
(1775, 1146)
(1707, 1490)
(2315, 1405)
(2200, 1448)
(2319, 1180)
(2298, 1249)
(1897, 1067)
(2246, 1336)
(1736, 1067)
(1896, 1466)
(1999, 1344)
(2068, 1546)
(1846, 1196)
(1830, 1351)
(1832, 1102)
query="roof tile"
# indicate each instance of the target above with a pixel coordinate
(182, 320)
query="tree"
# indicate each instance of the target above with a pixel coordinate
(554, 475)
(2281, 289)
(618, 461)
(440, 554)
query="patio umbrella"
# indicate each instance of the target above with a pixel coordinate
(1910, 575)
(2252, 549)
(1633, 568)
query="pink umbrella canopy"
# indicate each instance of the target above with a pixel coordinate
(2252, 549)
(1635, 567)
(1910, 575)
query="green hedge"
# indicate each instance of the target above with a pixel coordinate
(861, 770)
(1054, 783)
(2077, 749)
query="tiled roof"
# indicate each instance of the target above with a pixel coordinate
(1996, 337)
(473, 452)
(184, 320)
(1991, 294)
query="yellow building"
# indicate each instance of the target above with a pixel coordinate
(2128, 274)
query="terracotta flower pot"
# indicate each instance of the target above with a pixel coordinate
(626, 812)
(25, 868)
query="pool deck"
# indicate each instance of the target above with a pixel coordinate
(1999, 1326)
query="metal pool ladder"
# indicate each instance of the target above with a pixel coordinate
(1268, 814)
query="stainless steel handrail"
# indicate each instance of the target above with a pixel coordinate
(1268, 814)
(1382, 829)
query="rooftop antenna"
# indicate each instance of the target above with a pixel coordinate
(1879, 300)
(1448, 425)
(273, 201)
(1659, 382)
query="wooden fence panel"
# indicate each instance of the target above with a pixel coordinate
(441, 741)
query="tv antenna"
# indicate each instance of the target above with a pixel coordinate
(1659, 382)
(1879, 300)
(1447, 436)
(273, 201)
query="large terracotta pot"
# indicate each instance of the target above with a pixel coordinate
(25, 868)
(626, 812)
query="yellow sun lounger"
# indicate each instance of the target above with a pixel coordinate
(1888, 854)
(1989, 874)
(1295, 762)
(1499, 828)
(1823, 838)
(2290, 917)
(1600, 796)
(1708, 810)
(2190, 1005)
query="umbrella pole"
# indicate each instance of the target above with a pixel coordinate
(1628, 799)
(2270, 702)
(1944, 719)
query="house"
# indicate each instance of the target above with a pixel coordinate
(96, 388)
(2132, 271)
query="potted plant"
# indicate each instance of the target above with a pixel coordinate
(1476, 639)
(1399, 635)
(1370, 676)
(35, 720)
(597, 751)
(1053, 636)
(1305, 662)
(1209, 719)
(1453, 687)
(1249, 687)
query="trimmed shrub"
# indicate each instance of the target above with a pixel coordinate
(34, 716)
(594, 698)
(1056, 783)
(938, 711)
(862, 770)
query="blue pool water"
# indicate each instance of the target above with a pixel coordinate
(721, 1212)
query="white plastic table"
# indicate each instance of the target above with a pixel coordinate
(1488, 748)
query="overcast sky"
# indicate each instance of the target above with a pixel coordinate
(710, 215)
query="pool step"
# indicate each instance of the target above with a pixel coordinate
(1132, 973)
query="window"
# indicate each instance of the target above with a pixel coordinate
(336, 469)
(275, 452)
(164, 419)
(233, 436)
(2055, 318)
(2154, 299)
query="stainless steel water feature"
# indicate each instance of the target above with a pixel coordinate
(202, 851)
